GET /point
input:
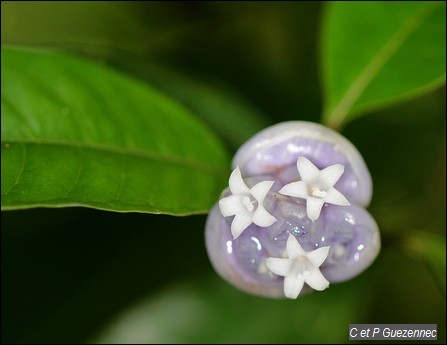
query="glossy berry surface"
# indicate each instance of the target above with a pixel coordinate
(349, 231)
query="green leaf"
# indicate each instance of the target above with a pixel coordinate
(230, 116)
(78, 134)
(378, 53)
(210, 311)
(431, 249)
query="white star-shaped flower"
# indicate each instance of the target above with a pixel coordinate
(316, 186)
(246, 204)
(300, 267)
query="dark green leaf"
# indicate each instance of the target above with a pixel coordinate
(431, 249)
(377, 53)
(210, 311)
(76, 133)
(229, 115)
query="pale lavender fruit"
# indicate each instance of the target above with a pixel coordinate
(349, 231)
(276, 149)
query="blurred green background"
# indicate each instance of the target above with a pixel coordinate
(83, 275)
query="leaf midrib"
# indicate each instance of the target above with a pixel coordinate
(341, 110)
(139, 153)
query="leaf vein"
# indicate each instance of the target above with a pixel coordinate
(123, 176)
(77, 178)
(22, 168)
(141, 153)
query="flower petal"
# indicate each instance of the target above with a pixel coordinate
(240, 222)
(278, 266)
(237, 184)
(262, 218)
(317, 256)
(231, 205)
(333, 196)
(296, 189)
(292, 285)
(316, 280)
(330, 175)
(313, 207)
(260, 190)
(293, 247)
(308, 171)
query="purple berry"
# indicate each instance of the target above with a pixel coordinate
(239, 250)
